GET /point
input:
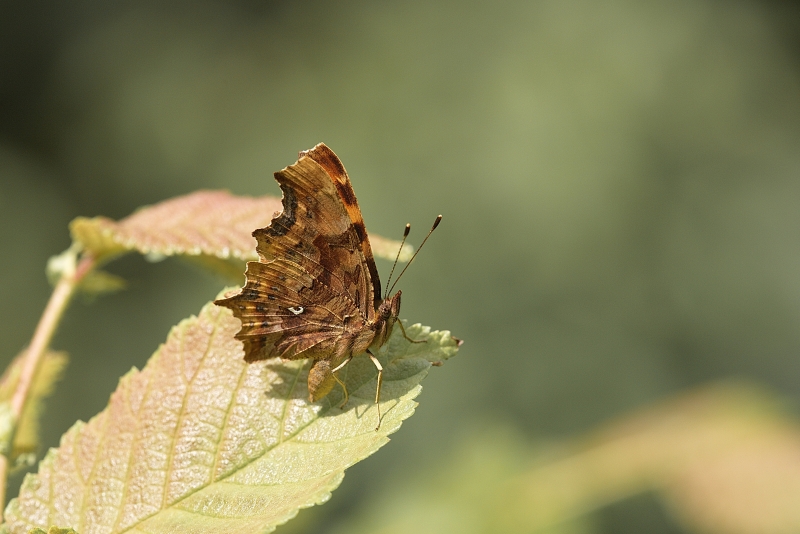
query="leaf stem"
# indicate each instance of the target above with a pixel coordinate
(59, 299)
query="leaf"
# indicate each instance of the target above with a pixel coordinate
(204, 223)
(26, 430)
(52, 530)
(200, 441)
(98, 282)
(725, 456)
(62, 265)
(387, 248)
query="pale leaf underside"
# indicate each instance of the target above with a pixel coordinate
(210, 223)
(199, 441)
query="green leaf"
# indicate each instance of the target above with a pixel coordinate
(200, 441)
(100, 282)
(25, 432)
(216, 224)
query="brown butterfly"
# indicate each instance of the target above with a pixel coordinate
(315, 292)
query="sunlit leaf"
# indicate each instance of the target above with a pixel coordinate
(26, 430)
(750, 483)
(199, 441)
(210, 223)
(726, 457)
(387, 248)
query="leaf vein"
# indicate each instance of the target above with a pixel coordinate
(95, 462)
(282, 421)
(224, 425)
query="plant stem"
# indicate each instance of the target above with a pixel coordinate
(59, 299)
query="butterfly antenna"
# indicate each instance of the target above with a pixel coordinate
(405, 235)
(435, 224)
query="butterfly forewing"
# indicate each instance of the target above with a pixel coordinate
(315, 231)
(326, 159)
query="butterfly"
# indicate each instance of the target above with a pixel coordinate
(315, 292)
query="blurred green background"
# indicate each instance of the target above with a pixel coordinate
(619, 183)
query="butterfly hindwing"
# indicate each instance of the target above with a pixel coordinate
(282, 308)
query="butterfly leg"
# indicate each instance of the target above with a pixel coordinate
(403, 330)
(377, 389)
(344, 388)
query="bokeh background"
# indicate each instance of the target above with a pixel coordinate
(619, 181)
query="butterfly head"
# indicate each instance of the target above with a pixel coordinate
(388, 311)
(390, 307)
